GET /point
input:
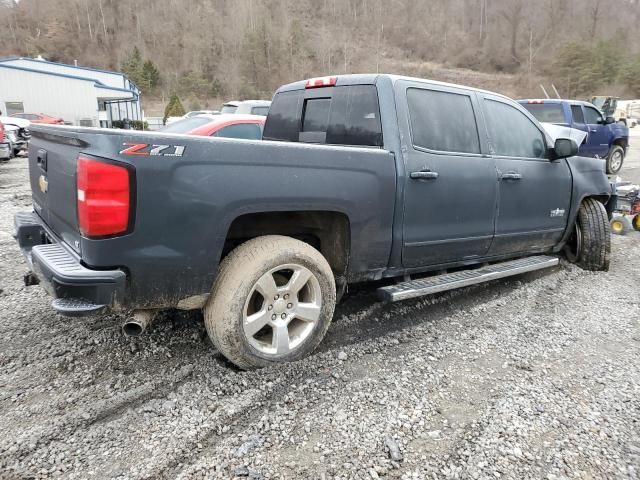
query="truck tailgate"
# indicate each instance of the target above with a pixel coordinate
(52, 173)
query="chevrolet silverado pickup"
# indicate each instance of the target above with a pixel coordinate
(421, 185)
(605, 138)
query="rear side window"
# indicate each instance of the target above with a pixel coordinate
(347, 115)
(248, 131)
(546, 112)
(511, 132)
(576, 112)
(442, 121)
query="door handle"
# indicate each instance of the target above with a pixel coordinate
(511, 176)
(424, 175)
(41, 159)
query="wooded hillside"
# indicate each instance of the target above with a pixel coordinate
(211, 49)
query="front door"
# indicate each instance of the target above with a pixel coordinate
(598, 133)
(534, 193)
(450, 183)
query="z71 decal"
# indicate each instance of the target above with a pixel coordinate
(148, 150)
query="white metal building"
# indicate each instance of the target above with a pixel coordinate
(79, 95)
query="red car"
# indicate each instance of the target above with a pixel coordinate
(248, 127)
(39, 118)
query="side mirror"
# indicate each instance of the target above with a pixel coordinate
(564, 148)
(609, 120)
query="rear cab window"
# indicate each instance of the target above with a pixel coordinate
(547, 112)
(339, 115)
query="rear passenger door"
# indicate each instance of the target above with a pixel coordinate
(534, 192)
(450, 183)
(598, 139)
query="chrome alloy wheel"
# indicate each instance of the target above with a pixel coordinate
(282, 309)
(616, 161)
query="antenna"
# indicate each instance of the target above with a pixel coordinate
(545, 92)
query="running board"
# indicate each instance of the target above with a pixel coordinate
(464, 278)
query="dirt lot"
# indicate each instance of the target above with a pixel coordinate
(534, 377)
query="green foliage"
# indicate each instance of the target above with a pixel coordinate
(586, 69)
(196, 84)
(150, 76)
(631, 77)
(143, 73)
(173, 109)
(130, 124)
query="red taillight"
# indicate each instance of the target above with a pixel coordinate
(321, 82)
(103, 198)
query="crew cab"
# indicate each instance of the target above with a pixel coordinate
(605, 137)
(358, 178)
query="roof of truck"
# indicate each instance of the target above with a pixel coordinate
(371, 78)
(554, 101)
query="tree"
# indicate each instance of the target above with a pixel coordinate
(150, 76)
(174, 108)
(133, 67)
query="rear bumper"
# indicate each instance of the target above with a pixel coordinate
(76, 289)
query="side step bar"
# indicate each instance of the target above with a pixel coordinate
(464, 278)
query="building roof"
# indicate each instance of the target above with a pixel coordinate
(83, 73)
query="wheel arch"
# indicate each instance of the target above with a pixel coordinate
(329, 231)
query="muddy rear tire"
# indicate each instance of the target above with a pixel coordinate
(272, 302)
(590, 243)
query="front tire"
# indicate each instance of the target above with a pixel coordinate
(272, 302)
(615, 159)
(590, 243)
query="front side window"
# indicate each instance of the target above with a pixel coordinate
(511, 133)
(442, 121)
(592, 116)
(247, 131)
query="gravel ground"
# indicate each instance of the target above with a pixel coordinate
(534, 377)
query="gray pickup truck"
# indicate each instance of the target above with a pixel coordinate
(358, 178)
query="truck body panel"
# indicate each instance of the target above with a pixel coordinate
(409, 205)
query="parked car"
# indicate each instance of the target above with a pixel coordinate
(247, 107)
(361, 178)
(185, 125)
(18, 128)
(39, 118)
(6, 149)
(248, 127)
(605, 138)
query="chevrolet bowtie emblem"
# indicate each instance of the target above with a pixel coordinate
(44, 184)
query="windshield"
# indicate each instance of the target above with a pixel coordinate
(186, 125)
(229, 109)
(546, 112)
